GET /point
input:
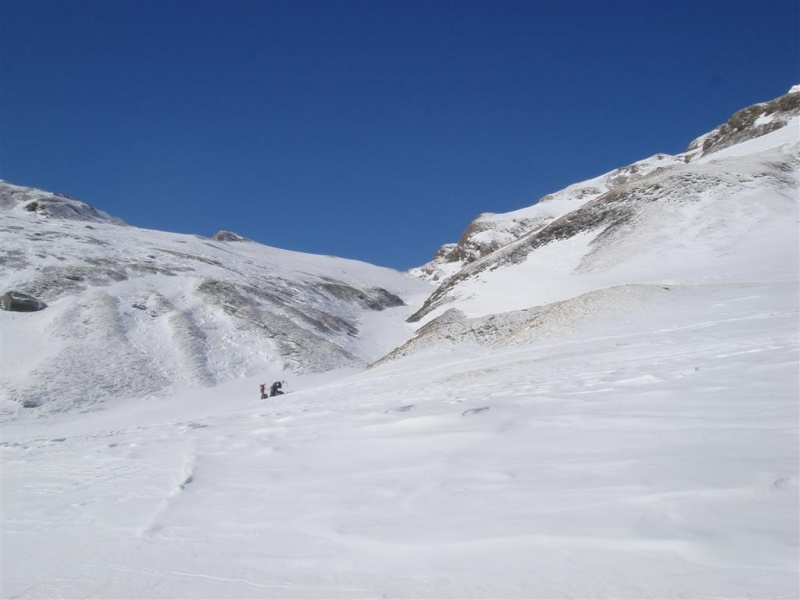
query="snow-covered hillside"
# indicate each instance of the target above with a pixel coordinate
(722, 212)
(723, 216)
(600, 400)
(491, 232)
(132, 312)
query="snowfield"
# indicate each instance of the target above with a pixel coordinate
(654, 456)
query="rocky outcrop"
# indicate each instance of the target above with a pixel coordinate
(371, 299)
(490, 232)
(19, 302)
(611, 221)
(51, 206)
(228, 236)
(610, 207)
(749, 123)
(483, 236)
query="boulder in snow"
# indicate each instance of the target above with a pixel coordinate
(17, 301)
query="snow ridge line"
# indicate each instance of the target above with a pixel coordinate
(186, 478)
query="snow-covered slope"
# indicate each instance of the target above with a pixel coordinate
(132, 312)
(652, 454)
(725, 214)
(490, 232)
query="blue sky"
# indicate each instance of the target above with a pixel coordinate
(374, 130)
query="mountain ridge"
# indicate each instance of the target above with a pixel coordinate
(612, 208)
(490, 232)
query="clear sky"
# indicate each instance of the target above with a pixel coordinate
(374, 130)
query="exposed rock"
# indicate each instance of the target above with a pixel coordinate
(610, 205)
(228, 236)
(373, 298)
(749, 123)
(620, 211)
(19, 302)
(51, 206)
(490, 232)
(611, 210)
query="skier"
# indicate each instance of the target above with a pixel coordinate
(263, 388)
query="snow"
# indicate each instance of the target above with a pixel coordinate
(764, 120)
(651, 457)
(731, 216)
(132, 319)
(571, 197)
